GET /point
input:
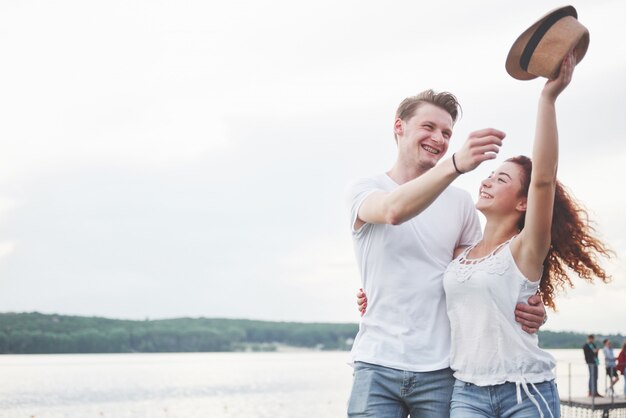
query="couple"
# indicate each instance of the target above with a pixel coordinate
(427, 353)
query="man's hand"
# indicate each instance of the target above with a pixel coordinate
(361, 301)
(530, 316)
(480, 146)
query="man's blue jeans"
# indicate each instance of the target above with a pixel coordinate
(383, 392)
(593, 378)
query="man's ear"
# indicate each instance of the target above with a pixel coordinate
(398, 127)
(521, 205)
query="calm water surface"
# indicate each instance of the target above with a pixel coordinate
(186, 385)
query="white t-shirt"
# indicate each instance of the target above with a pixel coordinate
(405, 326)
(488, 346)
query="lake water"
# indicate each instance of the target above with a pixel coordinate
(186, 385)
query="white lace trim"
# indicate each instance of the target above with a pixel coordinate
(464, 267)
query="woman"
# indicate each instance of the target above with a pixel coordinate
(500, 370)
(524, 249)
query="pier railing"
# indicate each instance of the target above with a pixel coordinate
(573, 380)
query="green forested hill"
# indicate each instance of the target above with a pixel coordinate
(42, 333)
(28, 333)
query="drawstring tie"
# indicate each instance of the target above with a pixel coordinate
(522, 383)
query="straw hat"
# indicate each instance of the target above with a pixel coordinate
(539, 51)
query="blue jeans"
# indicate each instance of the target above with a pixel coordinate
(593, 378)
(383, 392)
(500, 401)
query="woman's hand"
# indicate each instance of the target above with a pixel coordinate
(553, 88)
(361, 301)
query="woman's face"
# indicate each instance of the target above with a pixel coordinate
(500, 192)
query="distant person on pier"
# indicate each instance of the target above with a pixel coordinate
(610, 363)
(621, 364)
(591, 358)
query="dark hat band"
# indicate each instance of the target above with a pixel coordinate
(538, 35)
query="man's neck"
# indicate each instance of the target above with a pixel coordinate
(402, 174)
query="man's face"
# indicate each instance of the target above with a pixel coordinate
(423, 139)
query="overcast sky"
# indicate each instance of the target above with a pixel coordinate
(164, 159)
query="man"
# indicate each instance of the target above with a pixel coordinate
(591, 358)
(610, 363)
(406, 224)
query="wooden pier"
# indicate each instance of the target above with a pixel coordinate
(596, 407)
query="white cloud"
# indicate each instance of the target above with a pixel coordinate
(590, 308)
(7, 205)
(6, 248)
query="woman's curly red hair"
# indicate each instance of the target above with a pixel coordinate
(573, 245)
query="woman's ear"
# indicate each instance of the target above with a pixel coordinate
(521, 205)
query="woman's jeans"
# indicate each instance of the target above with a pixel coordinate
(501, 401)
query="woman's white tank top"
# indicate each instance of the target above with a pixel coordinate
(488, 346)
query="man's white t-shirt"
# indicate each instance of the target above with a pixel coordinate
(406, 326)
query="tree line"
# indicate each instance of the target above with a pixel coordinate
(36, 333)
